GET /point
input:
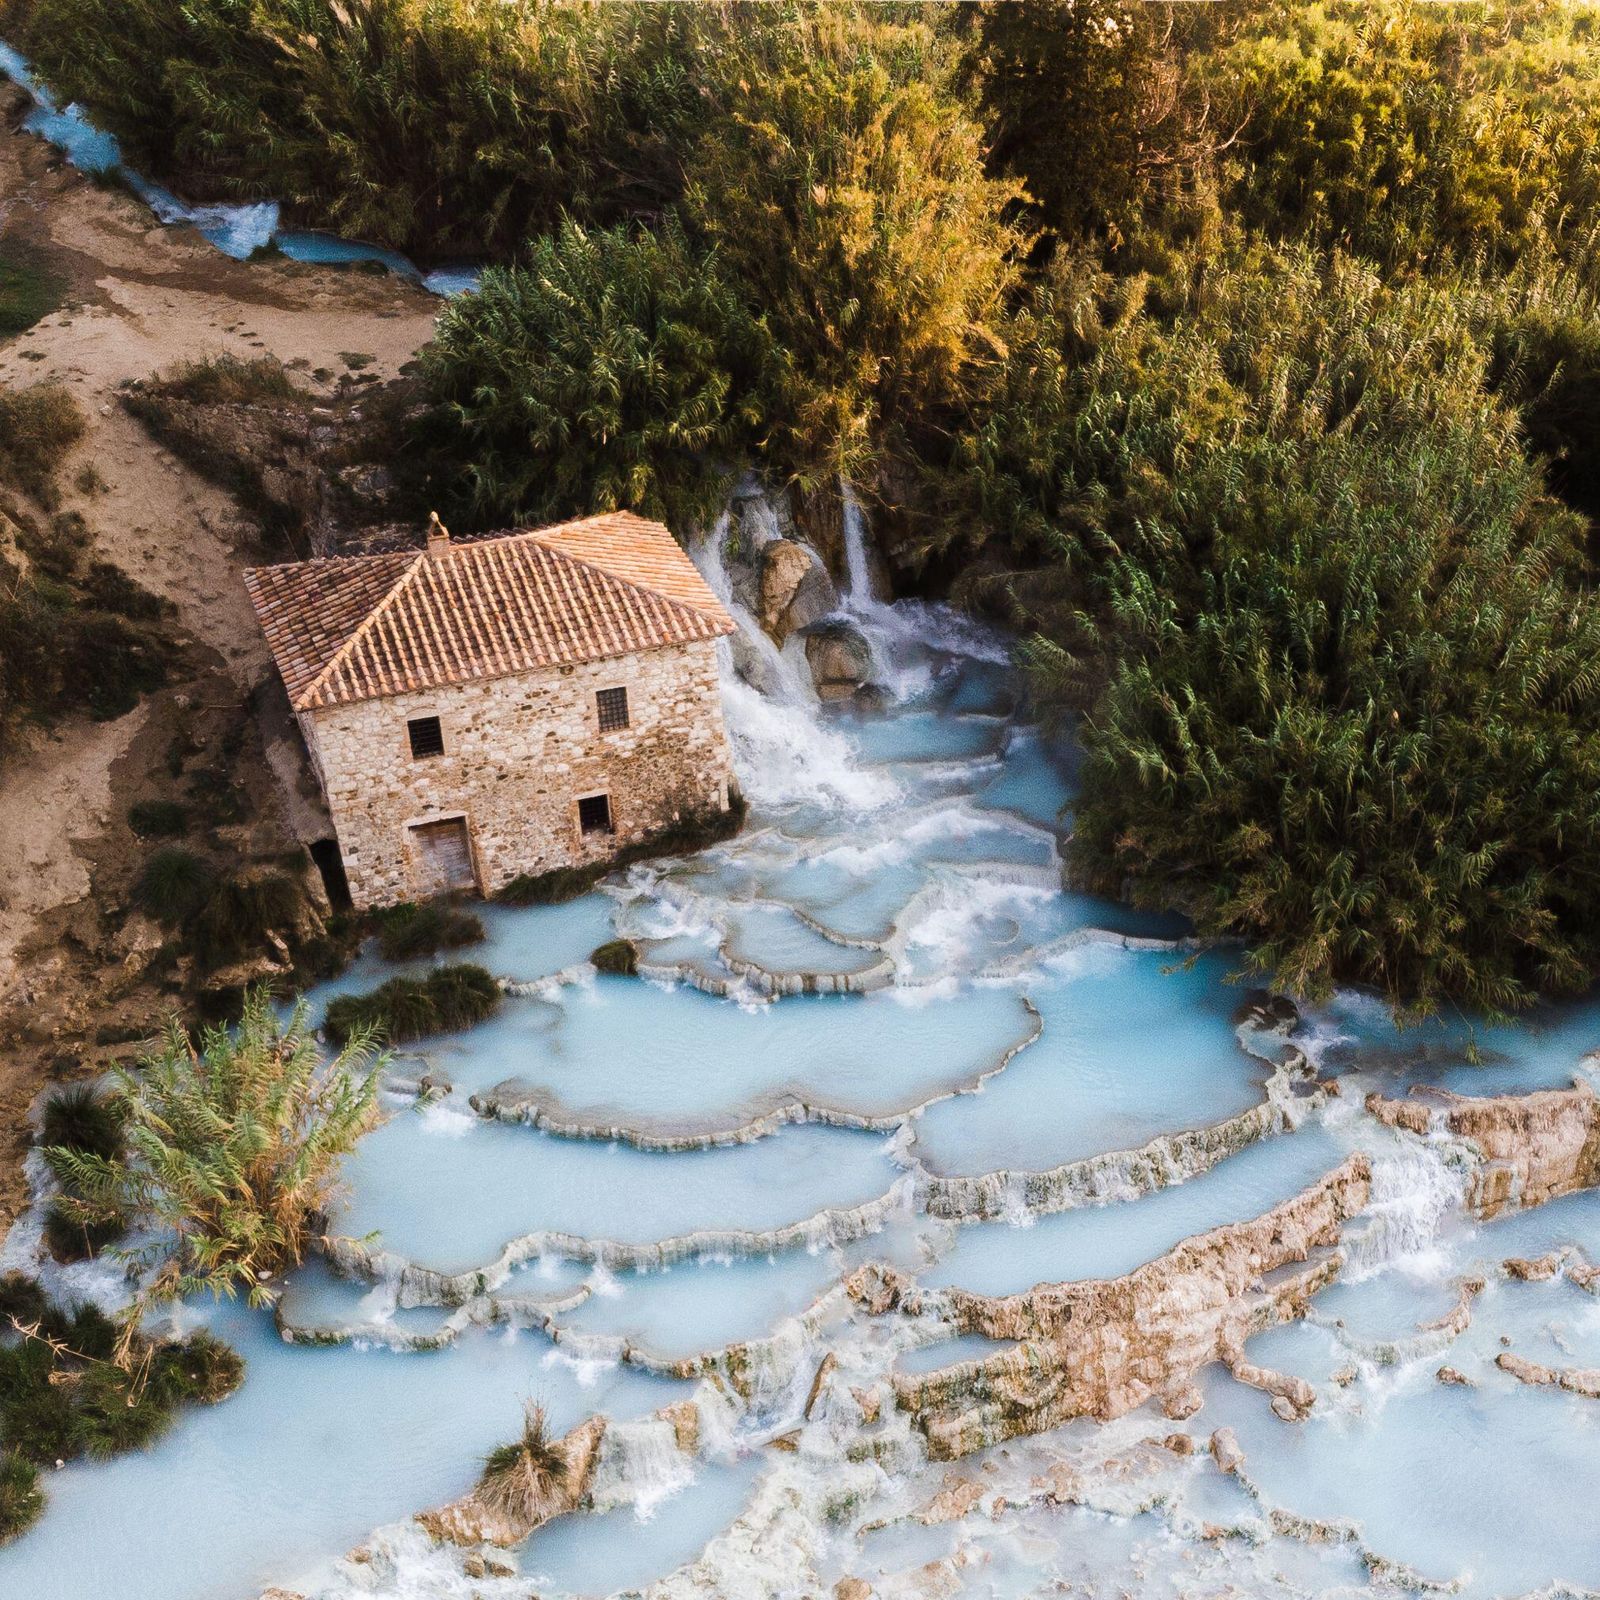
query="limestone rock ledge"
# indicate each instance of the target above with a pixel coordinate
(1100, 1348)
(1529, 1148)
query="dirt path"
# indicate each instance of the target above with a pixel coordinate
(139, 299)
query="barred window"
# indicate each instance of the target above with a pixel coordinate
(427, 737)
(613, 707)
(594, 813)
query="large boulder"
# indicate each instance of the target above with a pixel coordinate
(796, 590)
(839, 657)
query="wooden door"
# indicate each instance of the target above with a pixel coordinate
(444, 852)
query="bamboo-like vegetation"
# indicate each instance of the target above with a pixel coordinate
(233, 1143)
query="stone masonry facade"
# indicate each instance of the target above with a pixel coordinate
(520, 752)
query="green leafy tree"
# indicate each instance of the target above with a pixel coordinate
(612, 369)
(845, 190)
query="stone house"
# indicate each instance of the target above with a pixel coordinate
(512, 704)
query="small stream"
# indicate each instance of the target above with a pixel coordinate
(630, 1178)
(239, 231)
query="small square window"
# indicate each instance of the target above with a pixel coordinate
(594, 813)
(613, 708)
(427, 737)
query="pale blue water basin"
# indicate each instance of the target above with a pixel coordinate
(1489, 1484)
(1135, 1044)
(923, 736)
(601, 1553)
(774, 938)
(317, 1448)
(706, 1303)
(449, 1191)
(999, 1258)
(621, 1053)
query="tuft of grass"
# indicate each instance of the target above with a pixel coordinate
(619, 957)
(159, 819)
(71, 1237)
(550, 888)
(21, 1498)
(241, 911)
(79, 1118)
(229, 381)
(29, 291)
(520, 1479)
(200, 1368)
(174, 885)
(38, 428)
(408, 930)
(448, 998)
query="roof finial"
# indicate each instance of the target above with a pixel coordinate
(438, 536)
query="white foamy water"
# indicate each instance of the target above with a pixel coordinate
(643, 1194)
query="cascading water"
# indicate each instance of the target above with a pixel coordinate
(749, 1231)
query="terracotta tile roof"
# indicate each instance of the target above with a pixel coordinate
(360, 627)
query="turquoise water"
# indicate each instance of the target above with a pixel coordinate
(1017, 1034)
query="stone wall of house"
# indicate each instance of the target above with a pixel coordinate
(519, 753)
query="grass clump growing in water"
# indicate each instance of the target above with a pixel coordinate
(618, 957)
(446, 999)
(409, 930)
(21, 1498)
(521, 1479)
(73, 1384)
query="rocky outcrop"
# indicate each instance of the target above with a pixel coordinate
(795, 589)
(475, 1520)
(840, 659)
(1100, 1348)
(1527, 1148)
(1575, 1380)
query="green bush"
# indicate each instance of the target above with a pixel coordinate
(70, 1237)
(81, 1118)
(21, 1498)
(447, 999)
(408, 930)
(174, 885)
(240, 912)
(234, 1142)
(619, 957)
(73, 1383)
(614, 370)
(158, 819)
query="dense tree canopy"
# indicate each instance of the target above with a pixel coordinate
(1246, 358)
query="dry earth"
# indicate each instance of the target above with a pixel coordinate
(139, 298)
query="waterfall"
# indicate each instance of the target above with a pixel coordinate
(857, 567)
(782, 752)
(1415, 1192)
